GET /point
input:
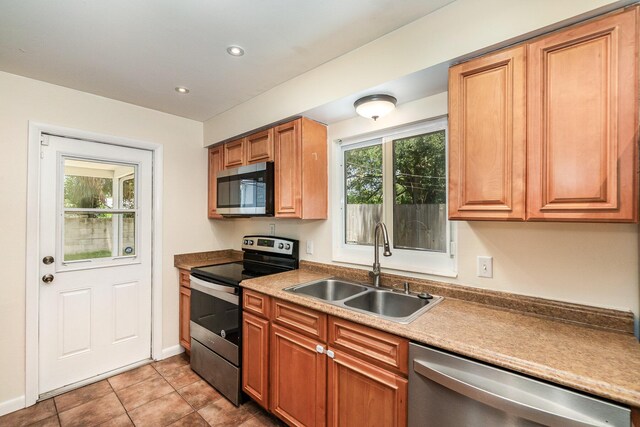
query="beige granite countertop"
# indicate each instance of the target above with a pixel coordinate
(199, 259)
(596, 361)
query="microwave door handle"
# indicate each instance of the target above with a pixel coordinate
(480, 393)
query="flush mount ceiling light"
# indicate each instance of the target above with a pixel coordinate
(235, 51)
(375, 106)
(182, 89)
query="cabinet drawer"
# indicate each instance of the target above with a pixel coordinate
(184, 278)
(380, 348)
(301, 319)
(256, 303)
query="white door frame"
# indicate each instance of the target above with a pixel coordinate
(33, 236)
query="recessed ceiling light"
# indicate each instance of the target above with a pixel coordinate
(235, 51)
(182, 89)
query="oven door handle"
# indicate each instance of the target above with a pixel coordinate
(227, 293)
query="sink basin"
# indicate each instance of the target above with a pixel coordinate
(384, 303)
(329, 289)
(387, 304)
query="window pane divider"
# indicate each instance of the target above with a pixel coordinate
(98, 210)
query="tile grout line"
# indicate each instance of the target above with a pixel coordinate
(55, 405)
(119, 400)
(194, 409)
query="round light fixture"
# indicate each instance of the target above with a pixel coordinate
(235, 51)
(182, 90)
(375, 106)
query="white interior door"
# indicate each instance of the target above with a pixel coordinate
(95, 290)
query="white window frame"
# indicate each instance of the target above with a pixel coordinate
(407, 260)
(114, 259)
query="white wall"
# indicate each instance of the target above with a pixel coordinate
(594, 264)
(452, 31)
(186, 228)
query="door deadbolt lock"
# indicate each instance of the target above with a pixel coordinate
(47, 260)
(47, 278)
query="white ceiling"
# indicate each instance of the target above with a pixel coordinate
(139, 51)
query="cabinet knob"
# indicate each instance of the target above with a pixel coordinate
(331, 354)
(320, 349)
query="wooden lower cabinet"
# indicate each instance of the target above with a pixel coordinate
(298, 378)
(185, 318)
(362, 394)
(288, 369)
(255, 361)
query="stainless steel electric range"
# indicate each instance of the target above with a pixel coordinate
(216, 309)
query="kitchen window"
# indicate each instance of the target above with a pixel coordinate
(400, 178)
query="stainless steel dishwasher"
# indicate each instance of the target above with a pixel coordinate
(447, 390)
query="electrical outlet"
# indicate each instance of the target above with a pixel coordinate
(272, 229)
(310, 247)
(485, 266)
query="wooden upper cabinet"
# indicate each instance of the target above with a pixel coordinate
(487, 131)
(259, 147)
(288, 175)
(215, 165)
(583, 122)
(301, 183)
(234, 154)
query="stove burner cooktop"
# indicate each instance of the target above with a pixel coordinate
(232, 273)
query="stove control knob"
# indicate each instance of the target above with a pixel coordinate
(246, 242)
(287, 246)
(280, 245)
(250, 242)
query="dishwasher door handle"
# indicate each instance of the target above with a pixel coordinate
(452, 380)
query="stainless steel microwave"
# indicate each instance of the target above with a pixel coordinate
(246, 191)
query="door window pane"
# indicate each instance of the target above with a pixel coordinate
(128, 193)
(88, 192)
(363, 190)
(99, 210)
(419, 180)
(91, 235)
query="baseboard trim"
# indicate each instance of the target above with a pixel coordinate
(12, 405)
(172, 351)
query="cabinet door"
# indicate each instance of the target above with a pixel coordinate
(298, 378)
(288, 197)
(255, 358)
(583, 118)
(215, 165)
(234, 155)
(487, 131)
(259, 147)
(185, 317)
(360, 394)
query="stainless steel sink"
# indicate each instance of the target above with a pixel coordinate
(329, 289)
(384, 303)
(389, 304)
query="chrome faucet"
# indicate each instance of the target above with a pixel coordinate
(375, 273)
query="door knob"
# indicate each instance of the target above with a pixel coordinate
(47, 260)
(47, 278)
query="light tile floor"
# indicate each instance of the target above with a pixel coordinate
(165, 393)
